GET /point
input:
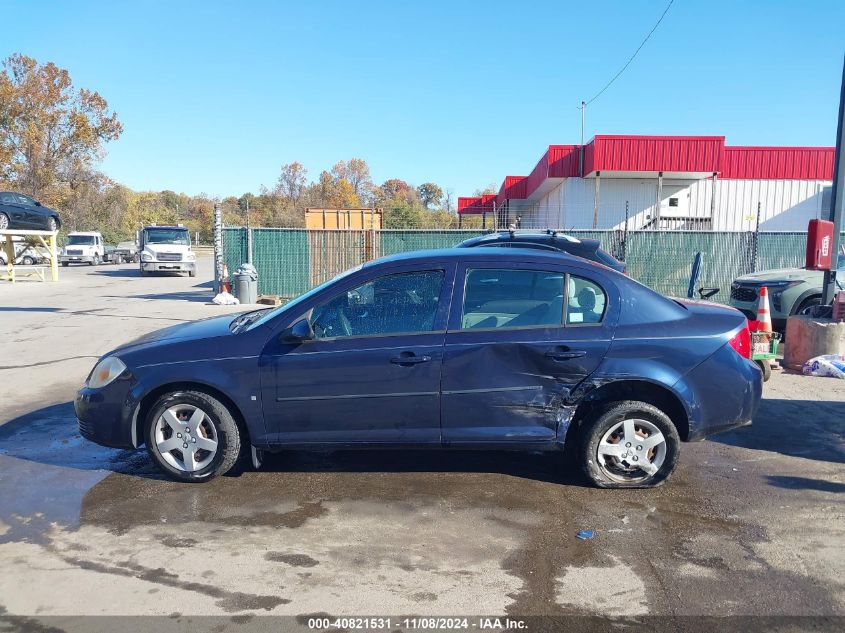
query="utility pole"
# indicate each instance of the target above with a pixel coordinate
(218, 247)
(583, 109)
(837, 197)
(248, 235)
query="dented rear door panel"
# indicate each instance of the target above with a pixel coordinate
(517, 385)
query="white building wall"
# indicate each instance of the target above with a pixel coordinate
(786, 205)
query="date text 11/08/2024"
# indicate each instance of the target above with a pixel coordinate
(430, 623)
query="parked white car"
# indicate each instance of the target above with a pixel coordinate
(167, 249)
(83, 247)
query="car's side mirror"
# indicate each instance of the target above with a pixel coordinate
(298, 332)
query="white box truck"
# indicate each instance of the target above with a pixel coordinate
(167, 249)
(82, 247)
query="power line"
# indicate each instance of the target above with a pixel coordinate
(628, 63)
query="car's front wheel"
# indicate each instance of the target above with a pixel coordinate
(192, 436)
(629, 444)
(4, 221)
(52, 225)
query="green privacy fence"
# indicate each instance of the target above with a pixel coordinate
(290, 261)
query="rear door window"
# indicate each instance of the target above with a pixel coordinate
(586, 302)
(503, 298)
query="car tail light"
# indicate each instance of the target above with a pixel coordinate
(741, 342)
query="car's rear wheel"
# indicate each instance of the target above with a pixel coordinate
(629, 444)
(766, 367)
(192, 436)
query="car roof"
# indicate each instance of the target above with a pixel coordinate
(533, 236)
(504, 255)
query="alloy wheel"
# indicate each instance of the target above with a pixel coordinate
(186, 437)
(51, 224)
(631, 451)
(4, 221)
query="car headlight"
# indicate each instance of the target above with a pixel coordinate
(147, 257)
(776, 292)
(105, 372)
(190, 257)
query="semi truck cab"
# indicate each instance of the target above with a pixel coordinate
(167, 249)
(82, 247)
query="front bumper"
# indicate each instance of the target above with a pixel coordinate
(107, 416)
(168, 266)
(78, 259)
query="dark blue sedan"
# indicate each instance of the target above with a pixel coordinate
(485, 348)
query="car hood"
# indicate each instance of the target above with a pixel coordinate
(780, 274)
(192, 330)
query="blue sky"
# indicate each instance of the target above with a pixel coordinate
(215, 96)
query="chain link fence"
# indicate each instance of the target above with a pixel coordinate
(290, 261)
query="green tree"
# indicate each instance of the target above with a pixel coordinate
(430, 194)
(402, 217)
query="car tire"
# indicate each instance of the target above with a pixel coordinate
(52, 225)
(217, 424)
(27, 261)
(608, 429)
(4, 221)
(192, 273)
(766, 367)
(95, 261)
(65, 264)
(809, 302)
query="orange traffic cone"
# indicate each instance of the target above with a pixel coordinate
(764, 317)
(225, 284)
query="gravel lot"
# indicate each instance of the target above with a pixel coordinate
(750, 524)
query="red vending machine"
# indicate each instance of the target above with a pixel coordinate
(819, 245)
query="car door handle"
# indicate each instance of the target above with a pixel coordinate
(410, 359)
(560, 355)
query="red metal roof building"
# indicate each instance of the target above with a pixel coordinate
(667, 182)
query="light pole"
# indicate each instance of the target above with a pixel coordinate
(837, 198)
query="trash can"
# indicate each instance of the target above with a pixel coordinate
(246, 283)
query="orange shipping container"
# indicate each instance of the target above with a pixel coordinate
(343, 219)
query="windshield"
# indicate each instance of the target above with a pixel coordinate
(77, 240)
(290, 305)
(166, 236)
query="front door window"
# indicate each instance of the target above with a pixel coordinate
(393, 304)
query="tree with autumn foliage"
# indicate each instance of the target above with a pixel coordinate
(51, 133)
